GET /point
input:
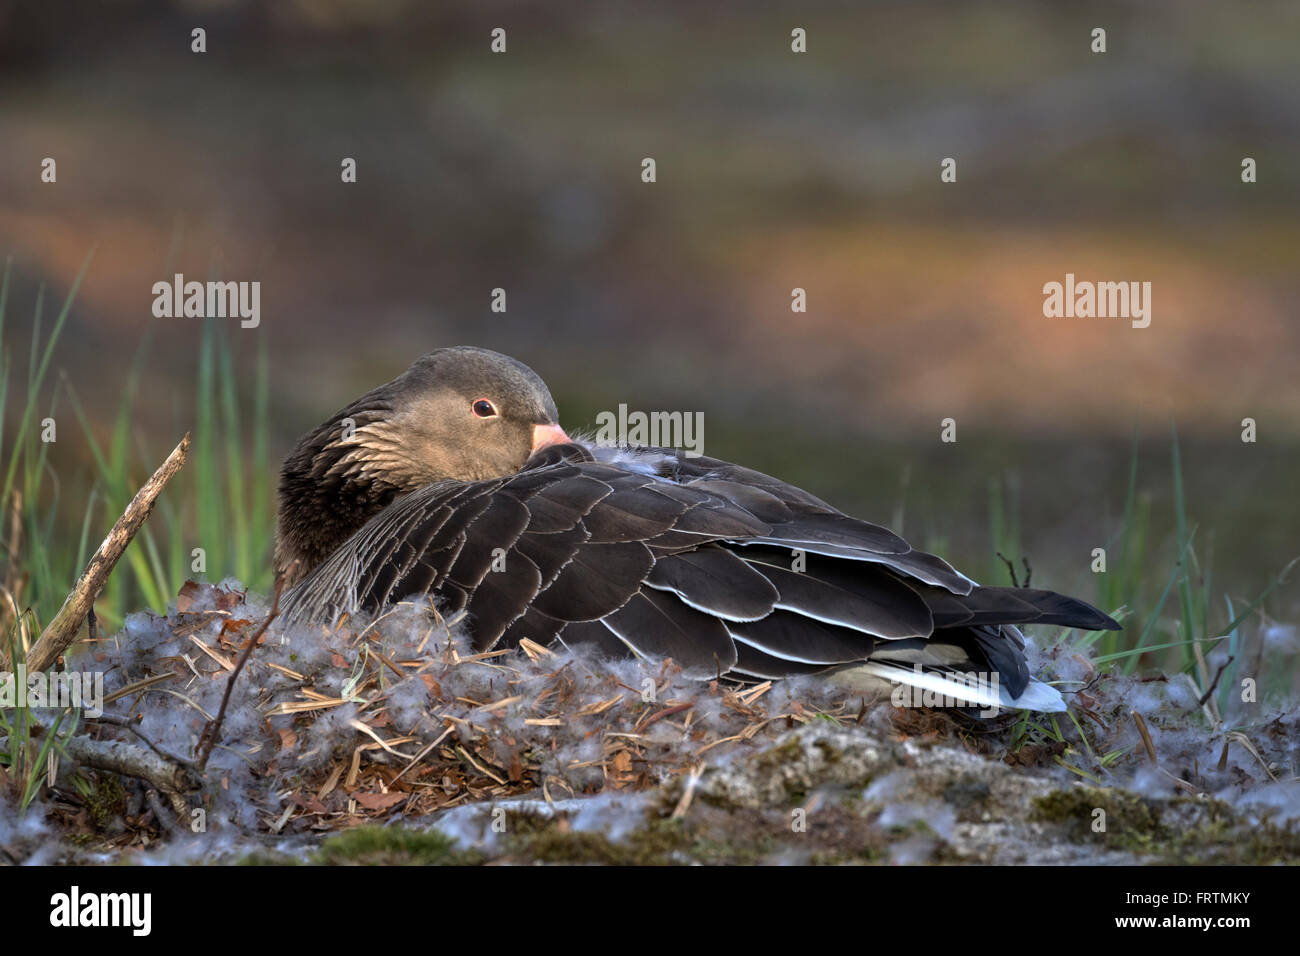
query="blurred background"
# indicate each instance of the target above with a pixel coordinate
(775, 170)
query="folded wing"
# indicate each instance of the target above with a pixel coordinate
(725, 570)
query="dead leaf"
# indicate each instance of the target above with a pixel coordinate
(233, 624)
(185, 598)
(378, 801)
(309, 802)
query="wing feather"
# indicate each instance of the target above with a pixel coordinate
(688, 558)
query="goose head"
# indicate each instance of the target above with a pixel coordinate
(462, 413)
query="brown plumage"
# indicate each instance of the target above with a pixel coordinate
(417, 429)
(725, 570)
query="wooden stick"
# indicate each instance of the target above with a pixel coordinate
(62, 631)
(208, 739)
(120, 757)
(1146, 735)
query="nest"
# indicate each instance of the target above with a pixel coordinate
(397, 716)
(279, 737)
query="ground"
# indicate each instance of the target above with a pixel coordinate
(391, 741)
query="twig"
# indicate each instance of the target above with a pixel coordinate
(1011, 570)
(129, 760)
(423, 753)
(151, 797)
(1146, 735)
(143, 684)
(1215, 683)
(1251, 749)
(374, 649)
(666, 712)
(209, 736)
(62, 631)
(688, 792)
(126, 724)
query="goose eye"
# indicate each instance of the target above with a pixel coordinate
(483, 408)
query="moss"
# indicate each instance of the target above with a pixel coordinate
(394, 846)
(1131, 822)
(1205, 832)
(836, 835)
(786, 752)
(556, 846)
(967, 796)
(527, 822)
(1223, 836)
(1181, 830)
(106, 802)
(1262, 845)
(869, 856)
(735, 837)
(711, 849)
(829, 752)
(267, 858)
(658, 843)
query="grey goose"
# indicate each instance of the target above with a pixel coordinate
(455, 481)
